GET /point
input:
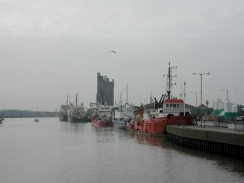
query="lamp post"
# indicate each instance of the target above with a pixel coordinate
(184, 98)
(227, 101)
(196, 97)
(201, 90)
(218, 101)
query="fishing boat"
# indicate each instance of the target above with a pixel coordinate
(169, 111)
(36, 119)
(122, 114)
(1, 117)
(63, 113)
(102, 116)
(76, 113)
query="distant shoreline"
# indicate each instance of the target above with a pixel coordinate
(30, 117)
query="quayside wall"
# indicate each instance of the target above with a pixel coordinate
(212, 139)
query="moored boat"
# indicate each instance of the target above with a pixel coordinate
(102, 116)
(1, 117)
(79, 118)
(122, 115)
(63, 113)
(76, 113)
(170, 111)
(157, 125)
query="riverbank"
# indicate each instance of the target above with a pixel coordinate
(225, 141)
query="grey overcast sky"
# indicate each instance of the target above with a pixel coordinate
(50, 49)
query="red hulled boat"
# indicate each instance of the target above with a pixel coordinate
(170, 111)
(157, 125)
(102, 122)
(102, 116)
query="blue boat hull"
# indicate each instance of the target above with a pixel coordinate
(119, 123)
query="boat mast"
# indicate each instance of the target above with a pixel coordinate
(120, 101)
(126, 100)
(169, 80)
(67, 100)
(184, 98)
(76, 104)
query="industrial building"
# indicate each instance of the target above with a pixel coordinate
(105, 90)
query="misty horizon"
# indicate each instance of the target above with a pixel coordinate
(53, 49)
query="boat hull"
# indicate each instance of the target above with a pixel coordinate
(62, 117)
(101, 123)
(157, 126)
(119, 123)
(78, 119)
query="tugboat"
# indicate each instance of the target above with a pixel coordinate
(170, 111)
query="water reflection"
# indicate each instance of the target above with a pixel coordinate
(147, 139)
(53, 151)
(227, 163)
(103, 134)
(72, 127)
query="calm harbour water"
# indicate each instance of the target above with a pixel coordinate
(50, 151)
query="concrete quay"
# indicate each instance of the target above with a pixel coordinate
(218, 140)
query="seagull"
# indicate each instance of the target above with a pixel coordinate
(112, 51)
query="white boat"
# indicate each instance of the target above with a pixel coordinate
(170, 106)
(102, 115)
(122, 115)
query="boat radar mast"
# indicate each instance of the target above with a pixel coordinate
(169, 79)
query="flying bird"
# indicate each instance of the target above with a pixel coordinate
(112, 51)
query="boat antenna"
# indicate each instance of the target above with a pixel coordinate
(169, 80)
(67, 101)
(126, 89)
(76, 98)
(184, 97)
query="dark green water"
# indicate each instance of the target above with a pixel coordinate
(53, 151)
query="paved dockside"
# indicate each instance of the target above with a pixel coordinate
(213, 139)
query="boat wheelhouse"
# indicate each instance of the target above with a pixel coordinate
(169, 111)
